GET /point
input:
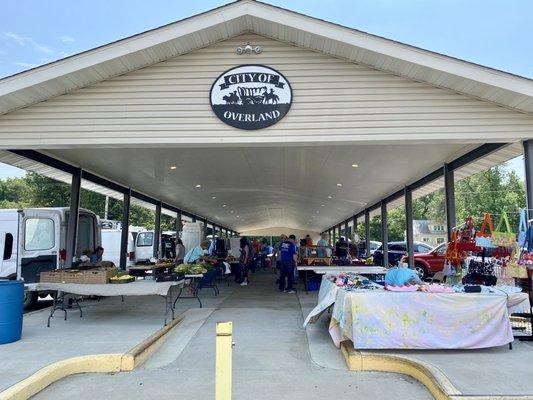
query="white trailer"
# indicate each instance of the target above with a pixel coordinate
(33, 240)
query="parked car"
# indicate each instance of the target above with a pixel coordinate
(428, 263)
(374, 245)
(396, 250)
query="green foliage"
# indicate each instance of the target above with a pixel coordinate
(493, 191)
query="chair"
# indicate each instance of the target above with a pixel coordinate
(438, 277)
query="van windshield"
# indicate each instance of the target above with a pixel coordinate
(145, 239)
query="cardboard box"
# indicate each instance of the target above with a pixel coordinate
(54, 276)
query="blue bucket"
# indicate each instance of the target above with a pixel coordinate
(11, 310)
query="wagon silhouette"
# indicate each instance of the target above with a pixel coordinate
(252, 95)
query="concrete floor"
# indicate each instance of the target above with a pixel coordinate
(108, 326)
(274, 358)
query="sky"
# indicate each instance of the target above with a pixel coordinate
(493, 33)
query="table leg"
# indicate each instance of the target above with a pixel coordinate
(58, 299)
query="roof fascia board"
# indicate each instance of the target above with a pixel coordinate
(122, 48)
(400, 51)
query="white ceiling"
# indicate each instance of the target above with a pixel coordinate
(268, 186)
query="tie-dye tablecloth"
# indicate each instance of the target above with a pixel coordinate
(379, 319)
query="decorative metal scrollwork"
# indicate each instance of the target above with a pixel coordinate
(249, 49)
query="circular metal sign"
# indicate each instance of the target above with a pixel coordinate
(251, 97)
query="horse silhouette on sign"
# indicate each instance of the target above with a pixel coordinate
(233, 98)
(271, 97)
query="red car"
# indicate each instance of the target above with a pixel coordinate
(426, 264)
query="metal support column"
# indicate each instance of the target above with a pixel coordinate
(157, 230)
(367, 232)
(409, 226)
(449, 189)
(179, 226)
(125, 228)
(384, 234)
(205, 230)
(72, 229)
(528, 167)
(346, 230)
(354, 224)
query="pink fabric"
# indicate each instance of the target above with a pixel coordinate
(404, 288)
(436, 288)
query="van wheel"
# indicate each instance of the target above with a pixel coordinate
(30, 299)
(421, 271)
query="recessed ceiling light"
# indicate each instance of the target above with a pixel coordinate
(322, 205)
(329, 197)
(317, 211)
(339, 184)
(173, 167)
(238, 216)
(198, 186)
(223, 205)
(231, 212)
(213, 197)
(354, 165)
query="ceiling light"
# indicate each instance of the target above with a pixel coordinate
(317, 211)
(173, 167)
(223, 205)
(329, 197)
(198, 186)
(231, 212)
(213, 197)
(238, 216)
(354, 165)
(339, 184)
(322, 205)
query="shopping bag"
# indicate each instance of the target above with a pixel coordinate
(516, 267)
(522, 229)
(484, 238)
(503, 238)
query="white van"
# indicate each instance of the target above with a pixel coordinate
(111, 240)
(33, 240)
(144, 245)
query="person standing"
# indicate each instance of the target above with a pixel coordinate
(322, 246)
(180, 251)
(245, 260)
(288, 263)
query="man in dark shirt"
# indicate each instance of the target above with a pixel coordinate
(341, 248)
(288, 262)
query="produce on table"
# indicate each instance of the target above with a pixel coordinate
(191, 269)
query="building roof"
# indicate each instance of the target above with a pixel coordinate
(150, 47)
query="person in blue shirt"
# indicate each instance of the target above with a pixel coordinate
(288, 252)
(196, 254)
(322, 246)
(96, 257)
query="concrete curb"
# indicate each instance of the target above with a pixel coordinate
(106, 363)
(429, 375)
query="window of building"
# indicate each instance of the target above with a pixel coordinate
(440, 240)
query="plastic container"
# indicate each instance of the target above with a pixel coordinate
(11, 310)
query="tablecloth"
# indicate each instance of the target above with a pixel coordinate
(137, 288)
(378, 319)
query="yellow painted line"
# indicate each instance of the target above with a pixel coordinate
(430, 376)
(224, 344)
(103, 363)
